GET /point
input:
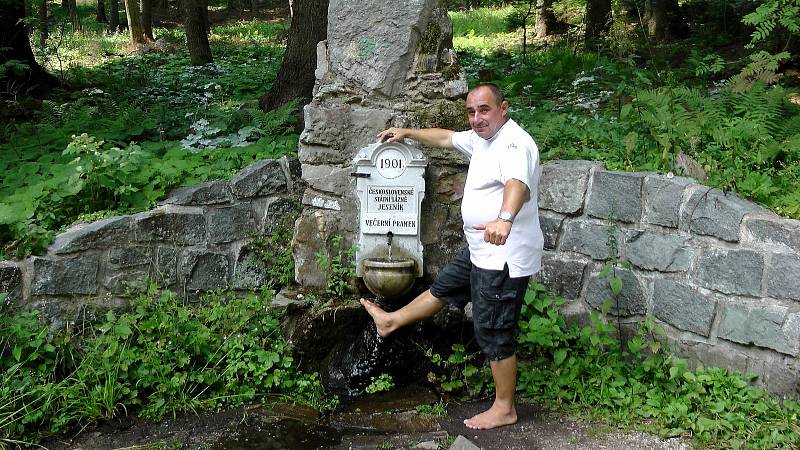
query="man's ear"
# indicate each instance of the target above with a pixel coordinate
(504, 107)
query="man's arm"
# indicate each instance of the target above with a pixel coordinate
(515, 194)
(434, 137)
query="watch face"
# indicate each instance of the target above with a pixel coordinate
(505, 215)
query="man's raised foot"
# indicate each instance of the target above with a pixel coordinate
(383, 320)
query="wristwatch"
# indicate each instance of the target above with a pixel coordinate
(506, 216)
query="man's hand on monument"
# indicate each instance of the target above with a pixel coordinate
(393, 134)
(495, 232)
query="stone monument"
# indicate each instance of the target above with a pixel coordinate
(384, 64)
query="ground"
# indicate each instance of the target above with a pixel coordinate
(384, 421)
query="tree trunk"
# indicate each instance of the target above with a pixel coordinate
(195, 21)
(16, 46)
(113, 12)
(73, 15)
(101, 12)
(545, 19)
(598, 20)
(44, 30)
(147, 19)
(134, 22)
(296, 75)
(655, 18)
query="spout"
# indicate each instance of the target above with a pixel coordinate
(389, 237)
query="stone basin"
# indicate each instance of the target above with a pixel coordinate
(389, 278)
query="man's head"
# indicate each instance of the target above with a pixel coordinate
(487, 109)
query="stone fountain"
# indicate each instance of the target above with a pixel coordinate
(390, 187)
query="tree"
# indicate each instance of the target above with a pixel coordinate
(195, 23)
(147, 19)
(135, 22)
(19, 71)
(545, 19)
(44, 29)
(598, 20)
(72, 9)
(663, 19)
(101, 12)
(113, 12)
(296, 75)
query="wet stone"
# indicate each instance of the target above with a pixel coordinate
(562, 275)
(250, 271)
(127, 283)
(10, 276)
(166, 266)
(551, 225)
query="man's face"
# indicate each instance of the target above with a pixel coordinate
(486, 116)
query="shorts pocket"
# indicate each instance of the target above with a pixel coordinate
(498, 309)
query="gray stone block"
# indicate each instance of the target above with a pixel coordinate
(783, 276)
(683, 307)
(653, 251)
(166, 266)
(127, 283)
(773, 229)
(586, 237)
(208, 193)
(768, 326)
(462, 443)
(731, 271)
(120, 257)
(204, 271)
(230, 223)
(562, 186)
(278, 215)
(329, 179)
(100, 234)
(711, 212)
(176, 224)
(662, 199)
(562, 275)
(65, 276)
(551, 226)
(374, 42)
(260, 179)
(631, 300)
(318, 135)
(615, 195)
(250, 271)
(10, 276)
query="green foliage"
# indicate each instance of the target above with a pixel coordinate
(339, 266)
(434, 409)
(587, 370)
(160, 358)
(461, 373)
(382, 383)
(274, 250)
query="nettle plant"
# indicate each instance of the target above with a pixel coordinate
(339, 265)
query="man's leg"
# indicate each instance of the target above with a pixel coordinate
(424, 306)
(502, 412)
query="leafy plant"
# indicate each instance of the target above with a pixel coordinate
(381, 383)
(434, 409)
(339, 267)
(461, 373)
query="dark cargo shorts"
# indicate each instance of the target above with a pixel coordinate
(496, 302)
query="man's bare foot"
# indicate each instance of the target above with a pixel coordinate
(383, 321)
(493, 417)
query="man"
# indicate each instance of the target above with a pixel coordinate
(501, 224)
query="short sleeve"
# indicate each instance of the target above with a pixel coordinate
(462, 141)
(519, 162)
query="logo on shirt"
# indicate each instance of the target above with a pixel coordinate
(512, 146)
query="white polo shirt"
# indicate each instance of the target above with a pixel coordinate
(510, 153)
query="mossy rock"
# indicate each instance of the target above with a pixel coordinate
(445, 114)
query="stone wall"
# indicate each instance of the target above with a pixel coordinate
(720, 274)
(196, 240)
